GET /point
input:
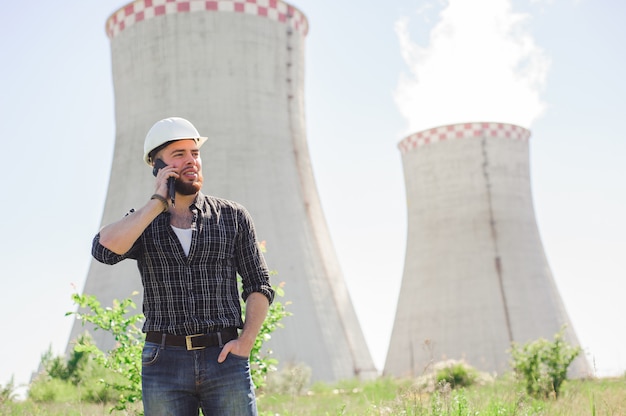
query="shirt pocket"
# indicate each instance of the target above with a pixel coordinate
(216, 243)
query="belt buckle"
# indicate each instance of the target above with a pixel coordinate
(188, 340)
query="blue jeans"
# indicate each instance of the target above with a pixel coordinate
(178, 382)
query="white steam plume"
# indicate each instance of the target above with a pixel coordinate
(481, 64)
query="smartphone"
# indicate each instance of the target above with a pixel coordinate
(158, 164)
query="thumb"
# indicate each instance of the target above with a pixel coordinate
(224, 353)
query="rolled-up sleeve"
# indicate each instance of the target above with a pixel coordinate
(250, 261)
(103, 254)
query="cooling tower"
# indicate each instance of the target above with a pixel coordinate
(235, 69)
(475, 277)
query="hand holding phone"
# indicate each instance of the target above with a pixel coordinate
(158, 165)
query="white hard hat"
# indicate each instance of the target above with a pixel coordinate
(167, 130)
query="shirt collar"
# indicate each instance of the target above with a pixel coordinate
(199, 201)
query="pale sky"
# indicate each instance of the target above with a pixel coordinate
(370, 68)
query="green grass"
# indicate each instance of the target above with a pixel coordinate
(385, 396)
(395, 397)
(29, 408)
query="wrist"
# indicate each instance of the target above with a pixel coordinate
(247, 339)
(163, 201)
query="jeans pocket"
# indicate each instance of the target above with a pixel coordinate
(238, 357)
(150, 354)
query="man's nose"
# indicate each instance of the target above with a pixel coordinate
(189, 160)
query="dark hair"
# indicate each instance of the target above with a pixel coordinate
(157, 149)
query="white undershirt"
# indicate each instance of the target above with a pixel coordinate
(184, 236)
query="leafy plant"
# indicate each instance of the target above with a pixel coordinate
(125, 359)
(71, 369)
(261, 361)
(457, 375)
(78, 378)
(543, 364)
(7, 392)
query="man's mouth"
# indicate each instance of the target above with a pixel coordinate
(189, 173)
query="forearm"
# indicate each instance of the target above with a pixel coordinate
(257, 306)
(120, 236)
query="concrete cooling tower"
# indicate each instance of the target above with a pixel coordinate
(475, 277)
(235, 69)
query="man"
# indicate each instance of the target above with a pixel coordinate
(189, 252)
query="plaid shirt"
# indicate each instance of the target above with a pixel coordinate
(185, 295)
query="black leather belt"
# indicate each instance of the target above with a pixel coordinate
(194, 342)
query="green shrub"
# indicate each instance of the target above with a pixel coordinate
(542, 364)
(125, 359)
(457, 375)
(53, 390)
(261, 361)
(7, 392)
(78, 378)
(450, 374)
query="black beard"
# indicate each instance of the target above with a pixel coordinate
(187, 188)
